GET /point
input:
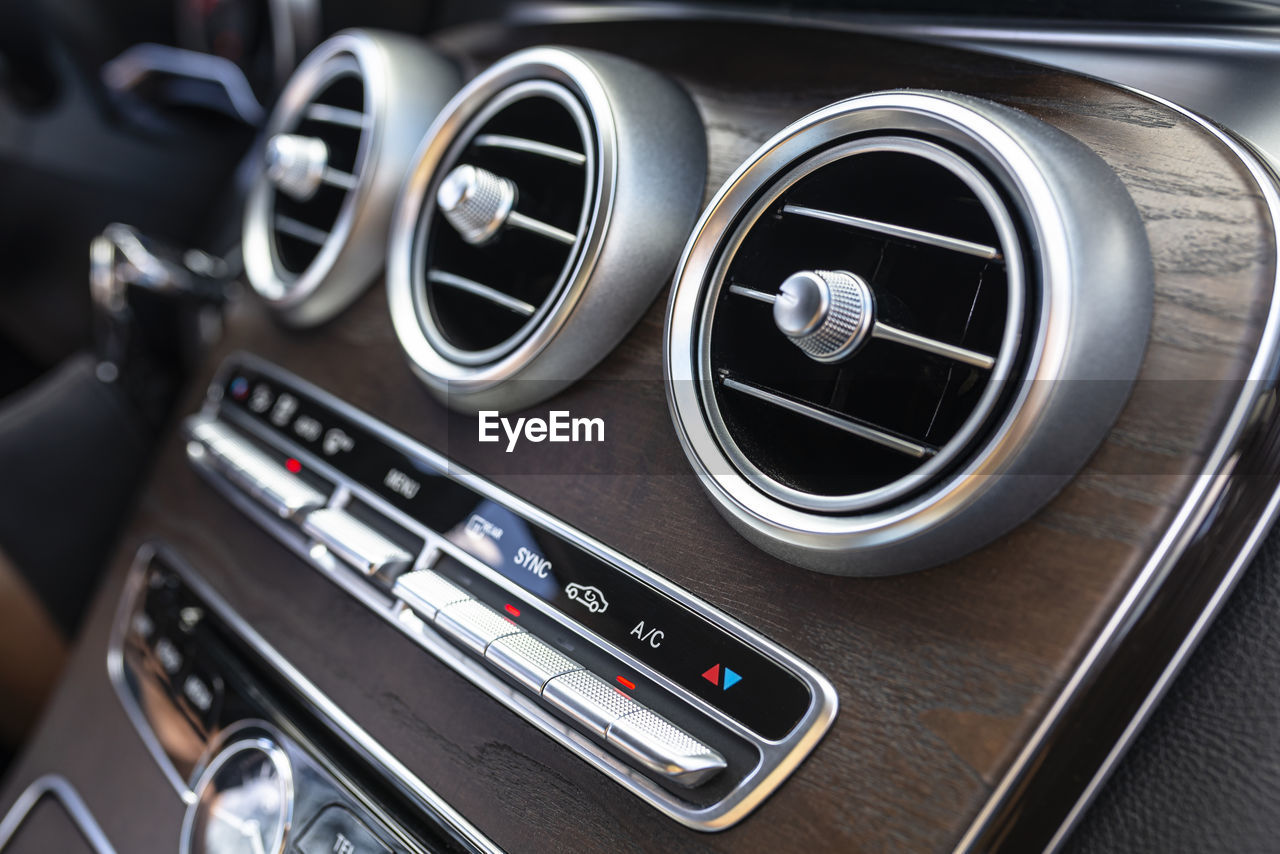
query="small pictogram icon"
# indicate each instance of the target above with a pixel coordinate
(730, 677)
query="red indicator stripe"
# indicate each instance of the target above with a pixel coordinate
(511, 609)
(626, 683)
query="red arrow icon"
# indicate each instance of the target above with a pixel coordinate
(713, 675)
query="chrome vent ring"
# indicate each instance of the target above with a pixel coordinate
(886, 317)
(889, 405)
(496, 252)
(512, 268)
(337, 146)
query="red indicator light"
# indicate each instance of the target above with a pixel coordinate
(293, 465)
(512, 610)
(626, 683)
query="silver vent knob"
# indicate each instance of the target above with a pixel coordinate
(827, 314)
(296, 164)
(475, 202)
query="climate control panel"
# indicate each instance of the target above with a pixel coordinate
(676, 701)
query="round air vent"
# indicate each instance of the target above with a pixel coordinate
(338, 146)
(902, 326)
(515, 261)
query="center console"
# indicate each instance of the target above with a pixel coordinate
(683, 706)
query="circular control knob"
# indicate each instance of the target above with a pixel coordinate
(243, 801)
(826, 313)
(475, 202)
(296, 164)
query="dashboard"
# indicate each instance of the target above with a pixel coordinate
(676, 427)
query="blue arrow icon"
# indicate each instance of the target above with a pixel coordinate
(730, 679)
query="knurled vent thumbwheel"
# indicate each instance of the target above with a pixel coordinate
(825, 313)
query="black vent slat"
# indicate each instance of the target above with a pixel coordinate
(929, 251)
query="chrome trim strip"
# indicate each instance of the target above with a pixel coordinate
(57, 787)
(915, 235)
(324, 708)
(530, 146)
(779, 759)
(119, 679)
(1264, 373)
(137, 63)
(862, 431)
(1170, 672)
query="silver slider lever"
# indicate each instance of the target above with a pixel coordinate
(479, 204)
(830, 314)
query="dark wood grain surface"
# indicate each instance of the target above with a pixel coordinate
(942, 675)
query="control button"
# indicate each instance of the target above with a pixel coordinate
(589, 700)
(255, 472)
(262, 398)
(336, 442)
(355, 542)
(198, 693)
(427, 592)
(168, 656)
(204, 691)
(730, 678)
(337, 831)
(529, 660)
(662, 747)
(474, 624)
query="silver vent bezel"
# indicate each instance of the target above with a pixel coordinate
(405, 84)
(284, 281)
(647, 150)
(1010, 246)
(576, 262)
(1090, 263)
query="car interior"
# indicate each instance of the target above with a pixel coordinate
(442, 427)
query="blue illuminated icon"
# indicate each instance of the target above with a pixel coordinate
(730, 679)
(240, 388)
